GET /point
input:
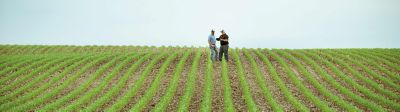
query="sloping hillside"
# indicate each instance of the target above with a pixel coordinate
(142, 78)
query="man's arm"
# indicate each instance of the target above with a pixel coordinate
(209, 41)
(225, 39)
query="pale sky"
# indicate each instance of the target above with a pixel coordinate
(249, 23)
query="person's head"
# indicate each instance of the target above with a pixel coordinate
(212, 32)
(222, 32)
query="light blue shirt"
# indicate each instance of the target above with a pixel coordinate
(212, 39)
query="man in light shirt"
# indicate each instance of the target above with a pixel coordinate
(213, 47)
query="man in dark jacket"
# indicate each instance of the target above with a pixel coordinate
(223, 50)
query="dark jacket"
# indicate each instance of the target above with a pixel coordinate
(223, 36)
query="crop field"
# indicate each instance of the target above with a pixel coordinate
(146, 78)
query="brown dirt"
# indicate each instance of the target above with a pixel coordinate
(369, 76)
(379, 82)
(277, 94)
(63, 93)
(100, 79)
(173, 105)
(132, 79)
(13, 71)
(295, 91)
(199, 87)
(113, 81)
(164, 84)
(35, 85)
(359, 81)
(146, 85)
(344, 84)
(81, 80)
(237, 93)
(256, 91)
(217, 101)
(8, 82)
(390, 69)
(45, 50)
(23, 83)
(311, 87)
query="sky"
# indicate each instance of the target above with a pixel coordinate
(249, 23)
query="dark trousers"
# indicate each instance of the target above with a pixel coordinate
(223, 50)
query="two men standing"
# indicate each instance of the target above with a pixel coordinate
(224, 45)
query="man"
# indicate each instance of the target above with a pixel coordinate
(223, 50)
(213, 47)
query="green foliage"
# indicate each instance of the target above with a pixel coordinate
(282, 86)
(190, 84)
(346, 56)
(380, 99)
(173, 84)
(36, 80)
(206, 103)
(44, 97)
(139, 105)
(310, 60)
(117, 88)
(21, 99)
(122, 101)
(27, 68)
(346, 105)
(374, 60)
(86, 84)
(310, 96)
(228, 100)
(95, 91)
(262, 83)
(78, 78)
(251, 105)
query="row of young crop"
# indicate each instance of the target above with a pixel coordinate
(151, 91)
(369, 59)
(37, 93)
(44, 49)
(92, 92)
(349, 80)
(314, 82)
(44, 97)
(67, 49)
(117, 88)
(373, 74)
(297, 82)
(361, 58)
(9, 64)
(206, 104)
(22, 69)
(22, 89)
(389, 103)
(317, 64)
(190, 85)
(134, 89)
(346, 105)
(295, 102)
(262, 83)
(376, 98)
(247, 96)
